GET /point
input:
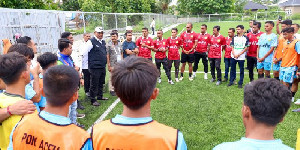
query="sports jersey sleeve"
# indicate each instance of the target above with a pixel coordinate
(88, 145)
(181, 143)
(151, 43)
(138, 42)
(29, 92)
(247, 44)
(274, 41)
(124, 45)
(297, 47)
(195, 37)
(223, 40)
(155, 45)
(181, 39)
(260, 40)
(232, 42)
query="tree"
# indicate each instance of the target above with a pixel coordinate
(70, 5)
(23, 4)
(163, 5)
(205, 6)
(239, 6)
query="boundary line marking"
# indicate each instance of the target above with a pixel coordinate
(102, 117)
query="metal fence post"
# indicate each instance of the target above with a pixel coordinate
(102, 21)
(84, 30)
(208, 17)
(116, 21)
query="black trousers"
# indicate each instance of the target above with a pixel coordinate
(251, 62)
(153, 30)
(199, 56)
(164, 62)
(215, 64)
(176, 65)
(87, 81)
(97, 80)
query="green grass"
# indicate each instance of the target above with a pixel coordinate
(206, 114)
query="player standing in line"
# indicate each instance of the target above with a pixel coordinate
(201, 50)
(252, 52)
(174, 44)
(145, 45)
(160, 47)
(266, 45)
(228, 49)
(189, 43)
(218, 43)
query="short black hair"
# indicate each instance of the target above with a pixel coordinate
(204, 25)
(217, 27)
(287, 22)
(128, 33)
(232, 29)
(288, 30)
(60, 83)
(11, 67)
(25, 39)
(138, 76)
(65, 35)
(114, 33)
(175, 29)
(145, 28)
(47, 59)
(270, 22)
(240, 26)
(268, 100)
(63, 43)
(253, 21)
(22, 49)
(296, 24)
(258, 24)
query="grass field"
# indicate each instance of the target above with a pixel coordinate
(206, 114)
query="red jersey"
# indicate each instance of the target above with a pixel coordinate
(228, 47)
(203, 41)
(160, 44)
(216, 44)
(188, 40)
(144, 51)
(174, 45)
(253, 39)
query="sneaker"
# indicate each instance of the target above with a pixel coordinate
(296, 110)
(102, 98)
(80, 125)
(293, 99)
(87, 94)
(194, 74)
(297, 102)
(235, 83)
(218, 82)
(212, 80)
(225, 80)
(176, 79)
(181, 78)
(80, 115)
(240, 86)
(79, 106)
(230, 84)
(205, 76)
(171, 82)
(96, 104)
(191, 78)
(159, 80)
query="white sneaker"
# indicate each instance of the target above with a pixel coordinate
(181, 78)
(194, 74)
(159, 80)
(191, 78)
(171, 82)
(176, 79)
(297, 102)
(293, 99)
(205, 76)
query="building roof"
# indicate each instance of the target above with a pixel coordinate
(251, 5)
(290, 3)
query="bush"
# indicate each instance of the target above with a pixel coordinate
(296, 16)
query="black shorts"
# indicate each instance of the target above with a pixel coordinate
(187, 58)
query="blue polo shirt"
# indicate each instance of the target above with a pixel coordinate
(128, 45)
(119, 119)
(56, 119)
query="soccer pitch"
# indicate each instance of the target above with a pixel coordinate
(206, 114)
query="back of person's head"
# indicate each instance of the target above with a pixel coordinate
(268, 100)
(25, 39)
(65, 35)
(12, 65)
(288, 30)
(258, 24)
(63, 43)
(270, 22)
(47, 59)
(287, 22)
(60, 84)
(240, 26)
(22, 49)
(134, 80)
